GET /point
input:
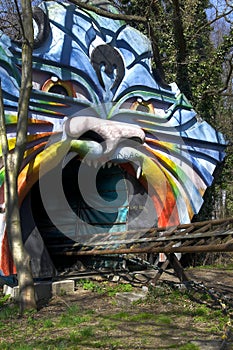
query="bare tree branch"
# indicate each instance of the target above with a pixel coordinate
(209, 23)
(226, 83)
(98, 11)
(229, 75)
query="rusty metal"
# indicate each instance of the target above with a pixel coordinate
(197, 237)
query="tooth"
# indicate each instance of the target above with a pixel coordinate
(104, 165)
(109, 164)
(88, 162)
(139, 172)
(95, 164)
(138, 169)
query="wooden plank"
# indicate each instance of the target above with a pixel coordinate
(205, 228)
(180, 230)
(188, 243)
(227, 247)
(161, 239)
(195, 235)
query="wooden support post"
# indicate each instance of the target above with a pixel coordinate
(160, 272)
(177, 267)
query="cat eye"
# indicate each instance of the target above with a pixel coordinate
(151, 106)
(57, 86)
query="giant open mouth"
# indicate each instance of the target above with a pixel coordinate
(123, 200)
(94, 191)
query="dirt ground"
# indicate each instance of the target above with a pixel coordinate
(171, 322)
(216, 280)
(219, 279)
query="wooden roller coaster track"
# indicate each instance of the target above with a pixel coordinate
(197, 237)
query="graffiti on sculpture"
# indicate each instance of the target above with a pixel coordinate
(109, 149)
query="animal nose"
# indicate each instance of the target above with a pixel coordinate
(110, 132)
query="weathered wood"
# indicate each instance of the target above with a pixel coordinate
(163, 238)
(182, 249)
(208, 236)
(183, 231)
(178, 268)
(214, 236)
(160, 272)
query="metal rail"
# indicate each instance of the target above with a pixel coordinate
(197, 237)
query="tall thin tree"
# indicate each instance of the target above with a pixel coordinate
(13, 161)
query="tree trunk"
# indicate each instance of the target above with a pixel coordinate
(13, 226)
(181, 51)
(12, 163)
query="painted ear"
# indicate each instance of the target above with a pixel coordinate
(41, 26)
(108, 57)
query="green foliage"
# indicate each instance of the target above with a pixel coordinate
(189, 346)
(72, 317)
(165, 312)
(92, 286)
(48, 324)
(4, 299)
(87, 332)
(105, 287)
(8, 311)
(119, 288)
(202, 64)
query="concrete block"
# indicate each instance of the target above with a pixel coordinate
(43, 290)
(63, 287)
(127, 298)
(12, 291)
(43, 293)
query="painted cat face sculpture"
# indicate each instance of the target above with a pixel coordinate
(108, 149)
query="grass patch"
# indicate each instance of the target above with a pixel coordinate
(69, 321)
(4, 299)
(105, 287)
(163, 320)
(72, 317)
(219, 266)
(167, 316)
(143, 316)
(9, 311)
(189, 346)
(87, 332)
(121, 316)
(202, 311)
(48, 324)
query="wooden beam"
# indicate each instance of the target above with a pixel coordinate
(177, 267)
(228, 247)
(160, 272)
(157, 239)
